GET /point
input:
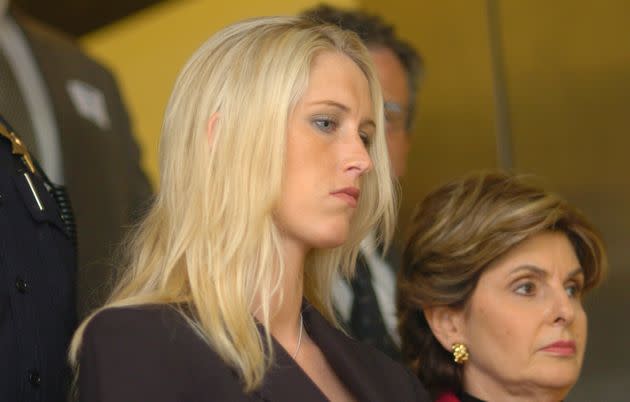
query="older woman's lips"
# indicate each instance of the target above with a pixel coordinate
(349, 195)
(561, 348)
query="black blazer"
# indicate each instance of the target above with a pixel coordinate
(150, 353)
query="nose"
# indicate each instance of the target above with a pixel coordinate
(357, 160)
(564, 308)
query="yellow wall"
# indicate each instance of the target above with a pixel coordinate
(147, 50)
(455, 130)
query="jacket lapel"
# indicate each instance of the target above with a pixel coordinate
(345, 358)
(286, 379)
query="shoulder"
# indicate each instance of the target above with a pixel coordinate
(133, 317)
(50, 45)
(139, 327)
(155, 345)
(136, 330)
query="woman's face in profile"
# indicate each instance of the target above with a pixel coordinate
(524, 324)
(328, 135)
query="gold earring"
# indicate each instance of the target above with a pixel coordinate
(460, 353)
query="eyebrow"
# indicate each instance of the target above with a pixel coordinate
(331, 103)
(542, 273)
(343, 108)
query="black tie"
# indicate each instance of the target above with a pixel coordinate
(366, 322)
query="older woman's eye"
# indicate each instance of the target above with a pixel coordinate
(574, 290)
(325, 124)
(526, 289)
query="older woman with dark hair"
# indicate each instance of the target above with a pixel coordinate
(490, 293)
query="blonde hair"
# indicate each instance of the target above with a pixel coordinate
(209, 241)
(455, 234)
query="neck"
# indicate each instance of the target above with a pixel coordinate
(285, 314)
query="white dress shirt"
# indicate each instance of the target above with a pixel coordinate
(383, 282)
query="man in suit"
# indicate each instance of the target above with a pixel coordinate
(37, 279)
(366, 304)
(70, 114)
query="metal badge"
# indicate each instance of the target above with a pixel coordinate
(17, 147)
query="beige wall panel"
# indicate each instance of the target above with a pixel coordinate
(568, 78)
(147, 50)
(455, 123)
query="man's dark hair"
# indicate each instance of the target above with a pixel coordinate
(375, 32)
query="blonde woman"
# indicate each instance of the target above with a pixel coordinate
(490, 294)
(273, 168)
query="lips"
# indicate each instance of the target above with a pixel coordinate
(561, 348)
(349, 195)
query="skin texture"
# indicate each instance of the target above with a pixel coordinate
(524, 302)
(393, 79)
(326, 152)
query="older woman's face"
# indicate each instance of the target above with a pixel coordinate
(327, 138)
(524, 326)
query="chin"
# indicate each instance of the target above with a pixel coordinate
(331, 237)
(330, 242)
(560, 377)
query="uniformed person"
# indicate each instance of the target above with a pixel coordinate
(37, 278)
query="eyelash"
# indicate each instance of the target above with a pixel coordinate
(326, 120)
(365, 138)
(577, 289)
(332, 125)
(522, 285)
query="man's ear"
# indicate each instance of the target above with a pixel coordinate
(210, 126)
(447, 325)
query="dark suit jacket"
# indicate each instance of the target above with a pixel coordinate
(152, 354)
(37, 270)
(378, 336)
(101, 167)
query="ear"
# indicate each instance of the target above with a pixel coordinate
(447, 324)
(211, 125)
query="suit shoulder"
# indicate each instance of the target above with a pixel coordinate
(52, 44)
(156, 346)
(134, 320)
(148, 330)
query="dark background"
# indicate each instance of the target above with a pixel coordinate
(78, 17)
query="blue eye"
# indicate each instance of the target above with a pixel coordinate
(325, 124)
(574, 290)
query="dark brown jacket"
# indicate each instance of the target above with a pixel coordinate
(152, 354)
